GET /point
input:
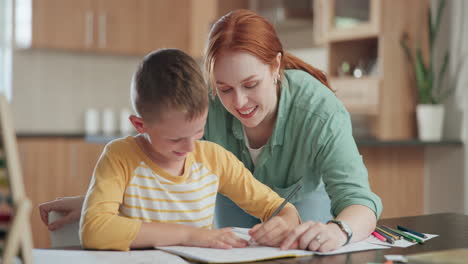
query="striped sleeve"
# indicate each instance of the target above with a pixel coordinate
(101, 227)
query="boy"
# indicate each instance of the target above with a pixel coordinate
(159, 187)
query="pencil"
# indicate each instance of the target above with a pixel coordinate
(409, 237)
(386, 232)
(378, 236)
(286, 200)
(391, 231)
(402, 228)
(387, 237)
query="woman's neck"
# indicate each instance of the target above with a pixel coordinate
(258, 136)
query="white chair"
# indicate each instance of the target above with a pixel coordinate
(66, 236)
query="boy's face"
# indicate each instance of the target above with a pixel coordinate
(172, 136)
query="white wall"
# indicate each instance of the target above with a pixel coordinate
(446, 178)
(52, 89)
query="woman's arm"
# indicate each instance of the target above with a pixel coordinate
(361, 219)
(326, 237)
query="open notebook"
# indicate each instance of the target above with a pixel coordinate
(255, 253)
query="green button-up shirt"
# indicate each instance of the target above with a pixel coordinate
(311, 144)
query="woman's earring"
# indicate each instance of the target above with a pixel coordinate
(275, 79)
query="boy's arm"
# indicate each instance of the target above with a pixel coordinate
(166, 234)
(101, 226)
(237, 183)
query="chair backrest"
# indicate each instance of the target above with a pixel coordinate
(66, 236)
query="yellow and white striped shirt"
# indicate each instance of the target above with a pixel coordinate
(128, 188)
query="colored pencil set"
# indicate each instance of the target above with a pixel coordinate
(390, 235)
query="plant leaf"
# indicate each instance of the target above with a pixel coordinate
(421, 78)
(440, 9)
(443, 70)
(430, 28)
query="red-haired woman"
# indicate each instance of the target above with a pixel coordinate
(279, 116)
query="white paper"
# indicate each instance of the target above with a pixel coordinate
(401, 243)
(396, 258)
(60, 256)
(253, 253)
(354, 247)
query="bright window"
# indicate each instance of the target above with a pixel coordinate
(6, 11)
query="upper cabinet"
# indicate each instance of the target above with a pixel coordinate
(366, 63)
(129, 27)
(293, 21)
(352, 19)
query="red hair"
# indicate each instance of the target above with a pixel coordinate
(244, 30)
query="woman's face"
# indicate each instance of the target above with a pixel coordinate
(245, 86)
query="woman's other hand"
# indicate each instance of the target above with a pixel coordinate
(70, 207)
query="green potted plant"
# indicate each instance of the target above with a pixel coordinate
(431, 93)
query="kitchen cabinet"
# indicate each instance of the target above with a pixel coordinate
(366, 63)
(125, 27)
(56, 24)
(54, 167)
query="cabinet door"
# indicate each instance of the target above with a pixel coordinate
(182, 24)
(54, 167)
(83, 157)
(44, 162)
(116, 26)
(62, 24)
(164, 24)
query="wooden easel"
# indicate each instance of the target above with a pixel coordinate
(19, 235)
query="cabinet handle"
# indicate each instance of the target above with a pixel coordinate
(89, 28)
(102, 30)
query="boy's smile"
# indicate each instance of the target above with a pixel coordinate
(171, 137)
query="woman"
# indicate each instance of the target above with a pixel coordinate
(279, 117)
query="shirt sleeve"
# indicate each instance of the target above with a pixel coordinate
(342, 167)
(101, 227)
(238, 183)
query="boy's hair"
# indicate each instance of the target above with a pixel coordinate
(168, 79)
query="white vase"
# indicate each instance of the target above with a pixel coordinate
(430, 119)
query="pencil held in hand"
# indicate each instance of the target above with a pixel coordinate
(286, 200)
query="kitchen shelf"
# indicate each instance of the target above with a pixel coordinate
(359, 95)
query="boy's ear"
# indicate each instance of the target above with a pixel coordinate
(137, 123)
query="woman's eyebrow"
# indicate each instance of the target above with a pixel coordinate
(244, 80)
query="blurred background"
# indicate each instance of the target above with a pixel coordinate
(66, 65)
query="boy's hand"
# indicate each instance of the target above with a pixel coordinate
(219, 238)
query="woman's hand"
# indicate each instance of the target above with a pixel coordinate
(222, 238)
(69, 206)
(315, 236)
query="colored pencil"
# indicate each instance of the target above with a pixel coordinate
(388, 229)
(378, 236)
(386, 232)
(402, 228)
(409, 237)
(387, 237)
